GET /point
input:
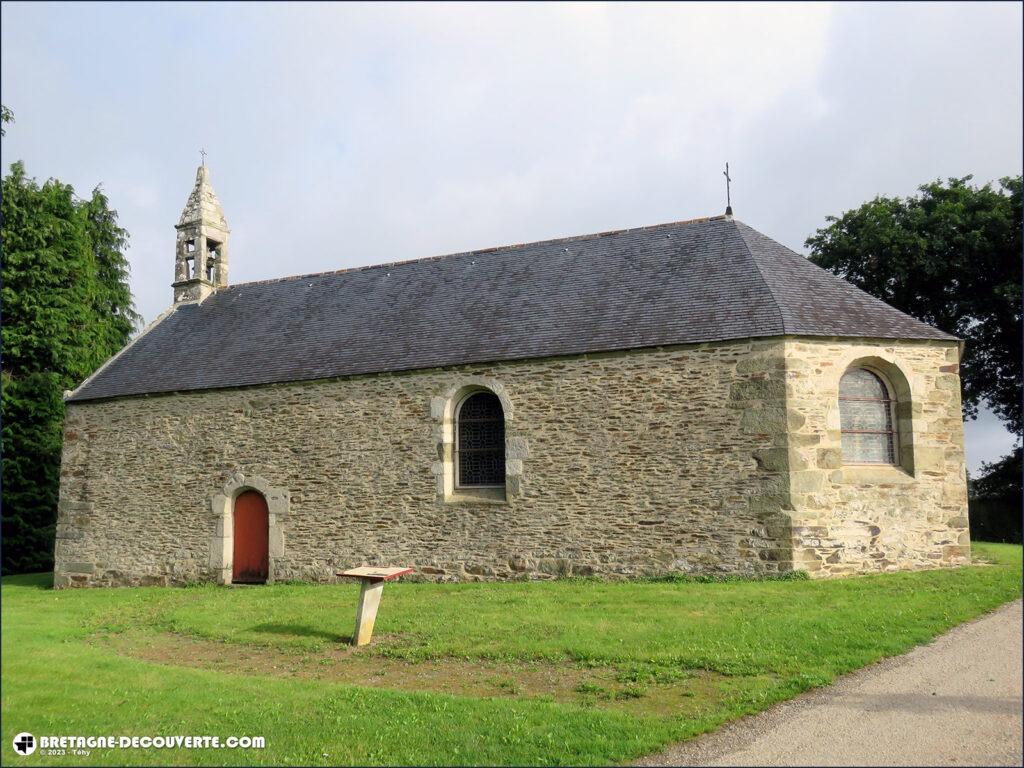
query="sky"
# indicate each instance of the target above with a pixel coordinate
(351, 134)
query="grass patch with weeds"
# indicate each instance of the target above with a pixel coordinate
(572, 672)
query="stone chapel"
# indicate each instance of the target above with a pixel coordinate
(690, 397)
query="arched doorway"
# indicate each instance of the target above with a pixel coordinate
(250, 564)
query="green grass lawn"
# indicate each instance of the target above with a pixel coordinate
(569, 672)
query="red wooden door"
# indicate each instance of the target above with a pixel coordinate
(252, 535)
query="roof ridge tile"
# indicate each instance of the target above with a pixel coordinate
(480, 251)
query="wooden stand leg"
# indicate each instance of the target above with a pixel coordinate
(366, 612)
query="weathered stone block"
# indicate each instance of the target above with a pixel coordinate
(830, 458)
(760, 364)
(807, 481)
(776, 459)
(763, 389)
(768, 420)
(517, 448)
(956, 552)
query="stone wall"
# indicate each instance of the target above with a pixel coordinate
(872, 518)
(708, 458)
(643, 462)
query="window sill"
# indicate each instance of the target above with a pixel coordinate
(477, 496)
(873, 474)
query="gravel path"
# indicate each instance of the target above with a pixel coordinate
(956, 701)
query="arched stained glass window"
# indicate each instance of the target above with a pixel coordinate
(865, 415)
(480, 441)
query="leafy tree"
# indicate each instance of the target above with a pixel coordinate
(1000, 477)
(113, 298)
(950, 256)
(48, 279)
(996, 498)
(33, 414)
(66, 308)
(6, 116)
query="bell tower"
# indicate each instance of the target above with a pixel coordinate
(201, 261)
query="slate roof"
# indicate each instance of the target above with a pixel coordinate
(704, 280)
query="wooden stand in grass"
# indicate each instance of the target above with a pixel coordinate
(369, 597)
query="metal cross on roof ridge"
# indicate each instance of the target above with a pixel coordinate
(203, 153)
(728, 190)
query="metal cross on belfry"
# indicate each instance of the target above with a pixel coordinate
(728, 191)
(203, 153)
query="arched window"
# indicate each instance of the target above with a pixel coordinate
(866, 419)
(480, 441)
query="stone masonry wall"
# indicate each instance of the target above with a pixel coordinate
(877, 518)
(645, 462)
(710, 458)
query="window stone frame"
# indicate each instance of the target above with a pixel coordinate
(902, 404)
(442, 412)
